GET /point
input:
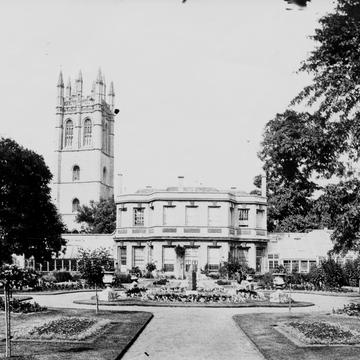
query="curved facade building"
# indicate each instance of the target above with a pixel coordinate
(211, 225)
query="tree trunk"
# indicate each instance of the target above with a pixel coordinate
(7, 323)
(97, 300)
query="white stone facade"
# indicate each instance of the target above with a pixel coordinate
(211, 225)
(84, 147)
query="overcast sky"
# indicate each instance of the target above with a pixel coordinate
(195, 83)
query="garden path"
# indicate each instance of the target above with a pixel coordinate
(193, 333)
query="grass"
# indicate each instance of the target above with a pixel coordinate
(110, 342)
(275, 345)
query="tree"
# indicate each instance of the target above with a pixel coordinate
(335, 66)
(12, 277)
(100, 217)
(297, 149)
(92, 265)
(29, 222)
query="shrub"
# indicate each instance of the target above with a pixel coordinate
(18, 306)
(351, 270)
(233, 269)
(266, 281)
(160, 282)
(150, 267)
(352, 309)
(62, 276)
(121, 278)
(135, 271)
(223, 282)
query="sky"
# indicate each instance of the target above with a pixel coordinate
(195, 82)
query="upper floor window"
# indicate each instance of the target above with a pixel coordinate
(69, 133)
(243, 214)
(192, 216)
(76, 173)
(87, 132)
(75, 205)
(139, 216)
(214, 216)
(169, 218)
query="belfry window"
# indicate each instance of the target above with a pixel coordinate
(69, 133)
(76, 173)
(87, 132)
(75, 205)
(105, 137)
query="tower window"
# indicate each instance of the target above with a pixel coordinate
(75, 205)
(76, 173)
(69, 132)
(105, 137)
(87, 132)
(138, 216)
(104, 174)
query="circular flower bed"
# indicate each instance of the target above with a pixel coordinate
(201, 296)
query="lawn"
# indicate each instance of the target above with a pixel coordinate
(83, 335)
(268, 333)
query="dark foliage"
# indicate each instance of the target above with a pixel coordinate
(29, 222)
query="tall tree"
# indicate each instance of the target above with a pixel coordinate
(99, 217)
(335, 66)
(298, 148)
(29, 222)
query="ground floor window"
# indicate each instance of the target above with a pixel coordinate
(168, 258)
(191, 258)
(273, 261)
(122, 255)
(139, 257)
(259, 256)
(213, 258)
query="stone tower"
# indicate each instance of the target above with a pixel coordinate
(84, 146)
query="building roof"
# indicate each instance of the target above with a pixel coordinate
(195, 189)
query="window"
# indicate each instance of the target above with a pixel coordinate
(287, 265)
(295, 265)
(87, 132)
(312, 264)
(76, 173)
(243, 214)
(104, 174)
(191, 258)
(122, 255)
(260, 216)
(273, 261)
(169, 218)
(192, 216)
(139, 257)
(259, 256)
(69, 132)
(168, 258)
(138, 216)
(106, 137)
(214, 216)
(213, 258)
(303, 266)
(75, 205)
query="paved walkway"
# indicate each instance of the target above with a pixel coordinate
(193, 333)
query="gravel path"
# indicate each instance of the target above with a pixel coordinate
(193, 333)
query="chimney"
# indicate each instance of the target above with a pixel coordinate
(180, 182)
(120, 184)
(263, 185)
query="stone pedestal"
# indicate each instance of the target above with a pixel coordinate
(107, 294)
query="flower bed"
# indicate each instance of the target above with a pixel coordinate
(322, 333)
(65, 328)
(352, 309)
(204, 296)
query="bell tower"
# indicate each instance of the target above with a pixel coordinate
(84, 146)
